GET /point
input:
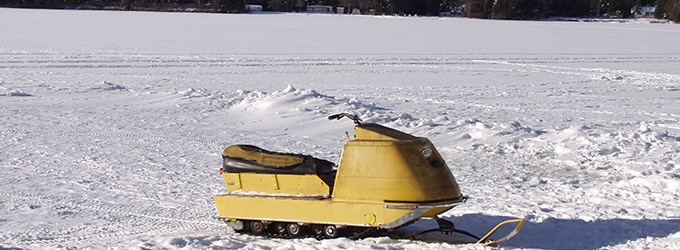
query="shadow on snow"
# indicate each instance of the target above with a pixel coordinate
(555, 233)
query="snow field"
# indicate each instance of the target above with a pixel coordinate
(113, 123)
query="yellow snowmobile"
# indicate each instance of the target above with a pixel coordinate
(386, 179)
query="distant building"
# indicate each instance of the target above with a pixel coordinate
(320, 9)
(253, 8)
(644, 11)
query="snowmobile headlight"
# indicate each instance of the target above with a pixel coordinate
(427, 153)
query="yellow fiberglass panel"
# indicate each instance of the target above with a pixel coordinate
(392, 171)
(376, 171)
(433, 176)
(263, 184)
(319, 211)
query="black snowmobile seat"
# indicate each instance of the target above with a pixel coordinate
(252, 159)
(262, 157)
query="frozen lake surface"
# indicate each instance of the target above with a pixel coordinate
(113, 123)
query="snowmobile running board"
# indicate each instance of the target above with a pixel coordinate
(448, 228)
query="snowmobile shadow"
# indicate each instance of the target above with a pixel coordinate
(571, 234)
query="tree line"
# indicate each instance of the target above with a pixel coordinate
(488, 9)
(530, 9)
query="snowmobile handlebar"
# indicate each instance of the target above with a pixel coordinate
(354, 118)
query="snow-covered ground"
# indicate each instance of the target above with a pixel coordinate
(112, 123)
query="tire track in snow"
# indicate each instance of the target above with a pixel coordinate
(112, 134)
(109, 223)
(596, 73)
(106, 221)
(114, 61)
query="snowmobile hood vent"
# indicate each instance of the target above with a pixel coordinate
(372, 131)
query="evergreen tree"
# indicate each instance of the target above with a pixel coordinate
(618, 8)
(573, 8)
(498, 9)
(672, 10)
(659, 12)
(228, 6)
(127, 4)
(478, 8)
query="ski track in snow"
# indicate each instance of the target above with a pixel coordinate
(105, 147)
